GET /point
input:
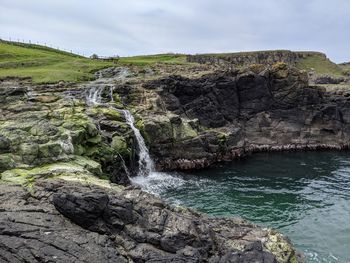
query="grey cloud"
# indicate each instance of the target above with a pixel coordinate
(134, 27)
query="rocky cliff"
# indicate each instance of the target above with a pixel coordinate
(58, 153)
(249, 58)
(230, 114)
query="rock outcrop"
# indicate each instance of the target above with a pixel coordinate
(225, 115)
(50, 124)
(249, 58)
(59, 221)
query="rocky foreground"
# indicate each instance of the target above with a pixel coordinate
(56, 221)
(59, 151)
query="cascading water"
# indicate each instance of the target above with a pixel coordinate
(94, 97)
(150, 180)
(146, 165)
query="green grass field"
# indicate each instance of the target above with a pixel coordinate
(45, 65)
(152, 59)
(48, 65)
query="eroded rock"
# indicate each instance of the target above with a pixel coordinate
(239, 112)
(125, 225)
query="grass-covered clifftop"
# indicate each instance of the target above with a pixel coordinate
(304, 60)
(320, 64)
(49, 65)
(45, 65)
(152, 59)
(346, 68)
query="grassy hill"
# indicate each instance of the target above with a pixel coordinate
(48, 65)
(152, 59)
(45, 65)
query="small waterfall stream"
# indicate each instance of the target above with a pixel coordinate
(146, 165)
(147, 177)
(94, 97)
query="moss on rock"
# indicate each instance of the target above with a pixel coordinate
(7, 162)
(120, 146)
(277, 244)
(77, 166)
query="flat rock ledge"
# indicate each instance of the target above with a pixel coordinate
(60, 221)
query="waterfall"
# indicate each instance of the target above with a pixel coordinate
(145, 162)
(150, 180)
(146, 165)
(111, 89)
(94, 96)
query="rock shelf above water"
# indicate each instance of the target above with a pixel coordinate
(60, 221)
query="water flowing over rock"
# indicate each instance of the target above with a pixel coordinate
(94, 97)
(146, 165)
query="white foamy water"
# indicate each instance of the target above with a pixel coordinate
(94, 96)
(158, 182)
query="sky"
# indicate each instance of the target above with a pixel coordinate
(135, 27)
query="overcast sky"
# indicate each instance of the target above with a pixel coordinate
(133, 27)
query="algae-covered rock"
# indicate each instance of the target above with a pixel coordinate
(79, 166)
(109, 113)
(7, 162)
(46, 98)
(183, 131)
(43, 129)
(119, 145)
(50, 149)
(171, 128)
(280, 246)
(280, 70)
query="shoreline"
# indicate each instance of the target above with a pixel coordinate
(199, 164)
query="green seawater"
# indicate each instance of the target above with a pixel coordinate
(305, 195)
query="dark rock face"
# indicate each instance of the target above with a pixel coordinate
(249, 58)
(253, 110)
(221, 98)
(328, 80)
(32, 230)
(121, 226)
